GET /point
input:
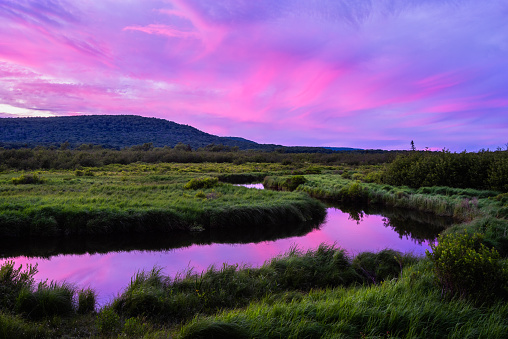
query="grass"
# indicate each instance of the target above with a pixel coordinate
(142, 198)
(408, 307)
(323, 293)
(157, 297)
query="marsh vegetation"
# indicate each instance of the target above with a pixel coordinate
(318, 293)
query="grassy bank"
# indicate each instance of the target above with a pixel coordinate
(483, 211)
(140, 198)
(151, 294)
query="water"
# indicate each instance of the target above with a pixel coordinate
(107, 265)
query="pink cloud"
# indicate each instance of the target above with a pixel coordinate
(290, 72)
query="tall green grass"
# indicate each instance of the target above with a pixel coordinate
(153, 295)
(462, 205)
(408, 307)
(13, 326)
(19, 294)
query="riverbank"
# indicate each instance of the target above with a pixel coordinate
(474, 211)
(320, 293)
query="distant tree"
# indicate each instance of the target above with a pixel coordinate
(64, 146)
(182, 147)
(413, 148)
(144, 147)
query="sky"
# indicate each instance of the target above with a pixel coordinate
(352, 73)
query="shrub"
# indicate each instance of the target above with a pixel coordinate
(200, 194)
(198, 183)
(27, 179)
(465, 267)
(354, 193)
(373, 177)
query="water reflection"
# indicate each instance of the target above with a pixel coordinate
(108, 272)
(418, 226)
(50, 247)
(258, 186)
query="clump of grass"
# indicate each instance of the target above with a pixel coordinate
(205, 182)
(13, 281)
(327, 266)
(200, 194)
(135, 328)
(13, 326)
(284, 183)
(20, 295)
(25, 179)
(87, 300)
(47, 300)
(86, 173)
(384, 265)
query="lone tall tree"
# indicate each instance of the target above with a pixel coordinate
(413, 148)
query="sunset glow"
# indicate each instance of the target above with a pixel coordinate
(367, 74)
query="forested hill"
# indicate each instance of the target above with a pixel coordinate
(116, 131)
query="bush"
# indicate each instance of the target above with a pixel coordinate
(27, 179)
(465, 267)
(87, 173)
(201, 195)
(198, 183)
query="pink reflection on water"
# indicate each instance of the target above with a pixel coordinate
(110, 273)
(258, 186)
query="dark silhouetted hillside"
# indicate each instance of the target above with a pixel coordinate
(120, 131)
(116, 131)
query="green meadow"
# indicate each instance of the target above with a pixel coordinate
(458, 290)
(142, 198)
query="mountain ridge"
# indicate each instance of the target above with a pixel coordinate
(120, 131)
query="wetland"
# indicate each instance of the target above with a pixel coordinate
(176, 249)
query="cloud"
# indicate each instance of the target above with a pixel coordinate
(362, 73)
(8, 110)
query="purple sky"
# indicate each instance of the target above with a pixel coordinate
(357, 73)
